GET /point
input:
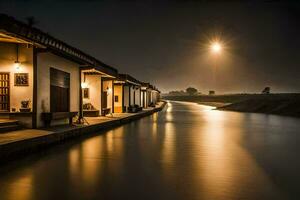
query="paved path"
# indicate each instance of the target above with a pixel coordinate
(17, 141)
(18, 135)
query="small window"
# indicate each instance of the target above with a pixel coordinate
(116, 98)
(86, 93)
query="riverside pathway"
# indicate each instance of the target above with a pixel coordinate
(23, 141)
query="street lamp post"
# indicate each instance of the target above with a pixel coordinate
(216, 49)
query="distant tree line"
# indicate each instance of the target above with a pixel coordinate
(188, 91)
(191, 91)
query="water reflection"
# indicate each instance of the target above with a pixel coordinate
(224, 159)
(22, 187)
(169, 145)
(187, 151)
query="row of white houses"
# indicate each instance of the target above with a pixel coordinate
(45, 81)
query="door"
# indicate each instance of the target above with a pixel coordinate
(4, 91)
(59, 91)
(104, 99)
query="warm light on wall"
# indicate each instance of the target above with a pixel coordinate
(108, 90)
(17, 65)
(84, 85)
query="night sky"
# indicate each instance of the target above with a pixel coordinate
(166, 42)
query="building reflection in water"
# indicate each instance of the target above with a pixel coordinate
(169, 107)
(154, 126)
(86, 160)
(22, 187)
(168, 150)
(168, 136)
(169, 114)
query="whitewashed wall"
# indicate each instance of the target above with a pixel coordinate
(8, 55)
(94, 84)
(44, 62)
(142, 99)
(108, 84)
(138, 96)
(131, 96)
(126, 95)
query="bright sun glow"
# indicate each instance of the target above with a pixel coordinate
(216, 47)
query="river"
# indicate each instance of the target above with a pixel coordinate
(187, 151)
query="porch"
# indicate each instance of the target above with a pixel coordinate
(96, 92)
(7, 125)
(127, 94)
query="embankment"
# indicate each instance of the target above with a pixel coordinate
(288, 107)
(280, 104)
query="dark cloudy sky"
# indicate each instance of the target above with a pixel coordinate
(165, 42)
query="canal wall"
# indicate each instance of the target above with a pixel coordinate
(16, 149)
(232, 98)
(286, 104)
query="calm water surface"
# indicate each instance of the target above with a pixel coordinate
(187, 151)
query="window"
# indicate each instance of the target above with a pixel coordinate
(86, 93)
(4, 91)
(116, 98)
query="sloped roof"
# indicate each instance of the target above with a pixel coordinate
(18, 29)
(148, 85)
(128, 78)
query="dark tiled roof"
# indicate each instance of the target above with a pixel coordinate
(126, 77)
(23, 31)
(148, 85)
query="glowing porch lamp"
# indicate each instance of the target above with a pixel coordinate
(84, 85)
(17, 63)
(109, 90)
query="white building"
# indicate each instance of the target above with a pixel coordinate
(40, 76)
(127, 94)
(150, 95)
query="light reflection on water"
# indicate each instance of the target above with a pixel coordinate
(187, 151)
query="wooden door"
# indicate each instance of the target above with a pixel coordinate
(59, 91)
(104, 100)
(4, 91)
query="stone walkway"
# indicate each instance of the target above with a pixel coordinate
(25, 134)
(18, 135)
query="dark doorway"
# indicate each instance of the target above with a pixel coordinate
(59, 91)
(104, 100)
(4, 91)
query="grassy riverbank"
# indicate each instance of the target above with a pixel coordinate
(280, 104)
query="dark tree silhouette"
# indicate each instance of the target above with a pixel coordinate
(191, 91)
(267, 90)
(211, 92)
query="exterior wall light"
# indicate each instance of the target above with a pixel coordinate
(17, 63)
(84, 85)
(108, 90)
